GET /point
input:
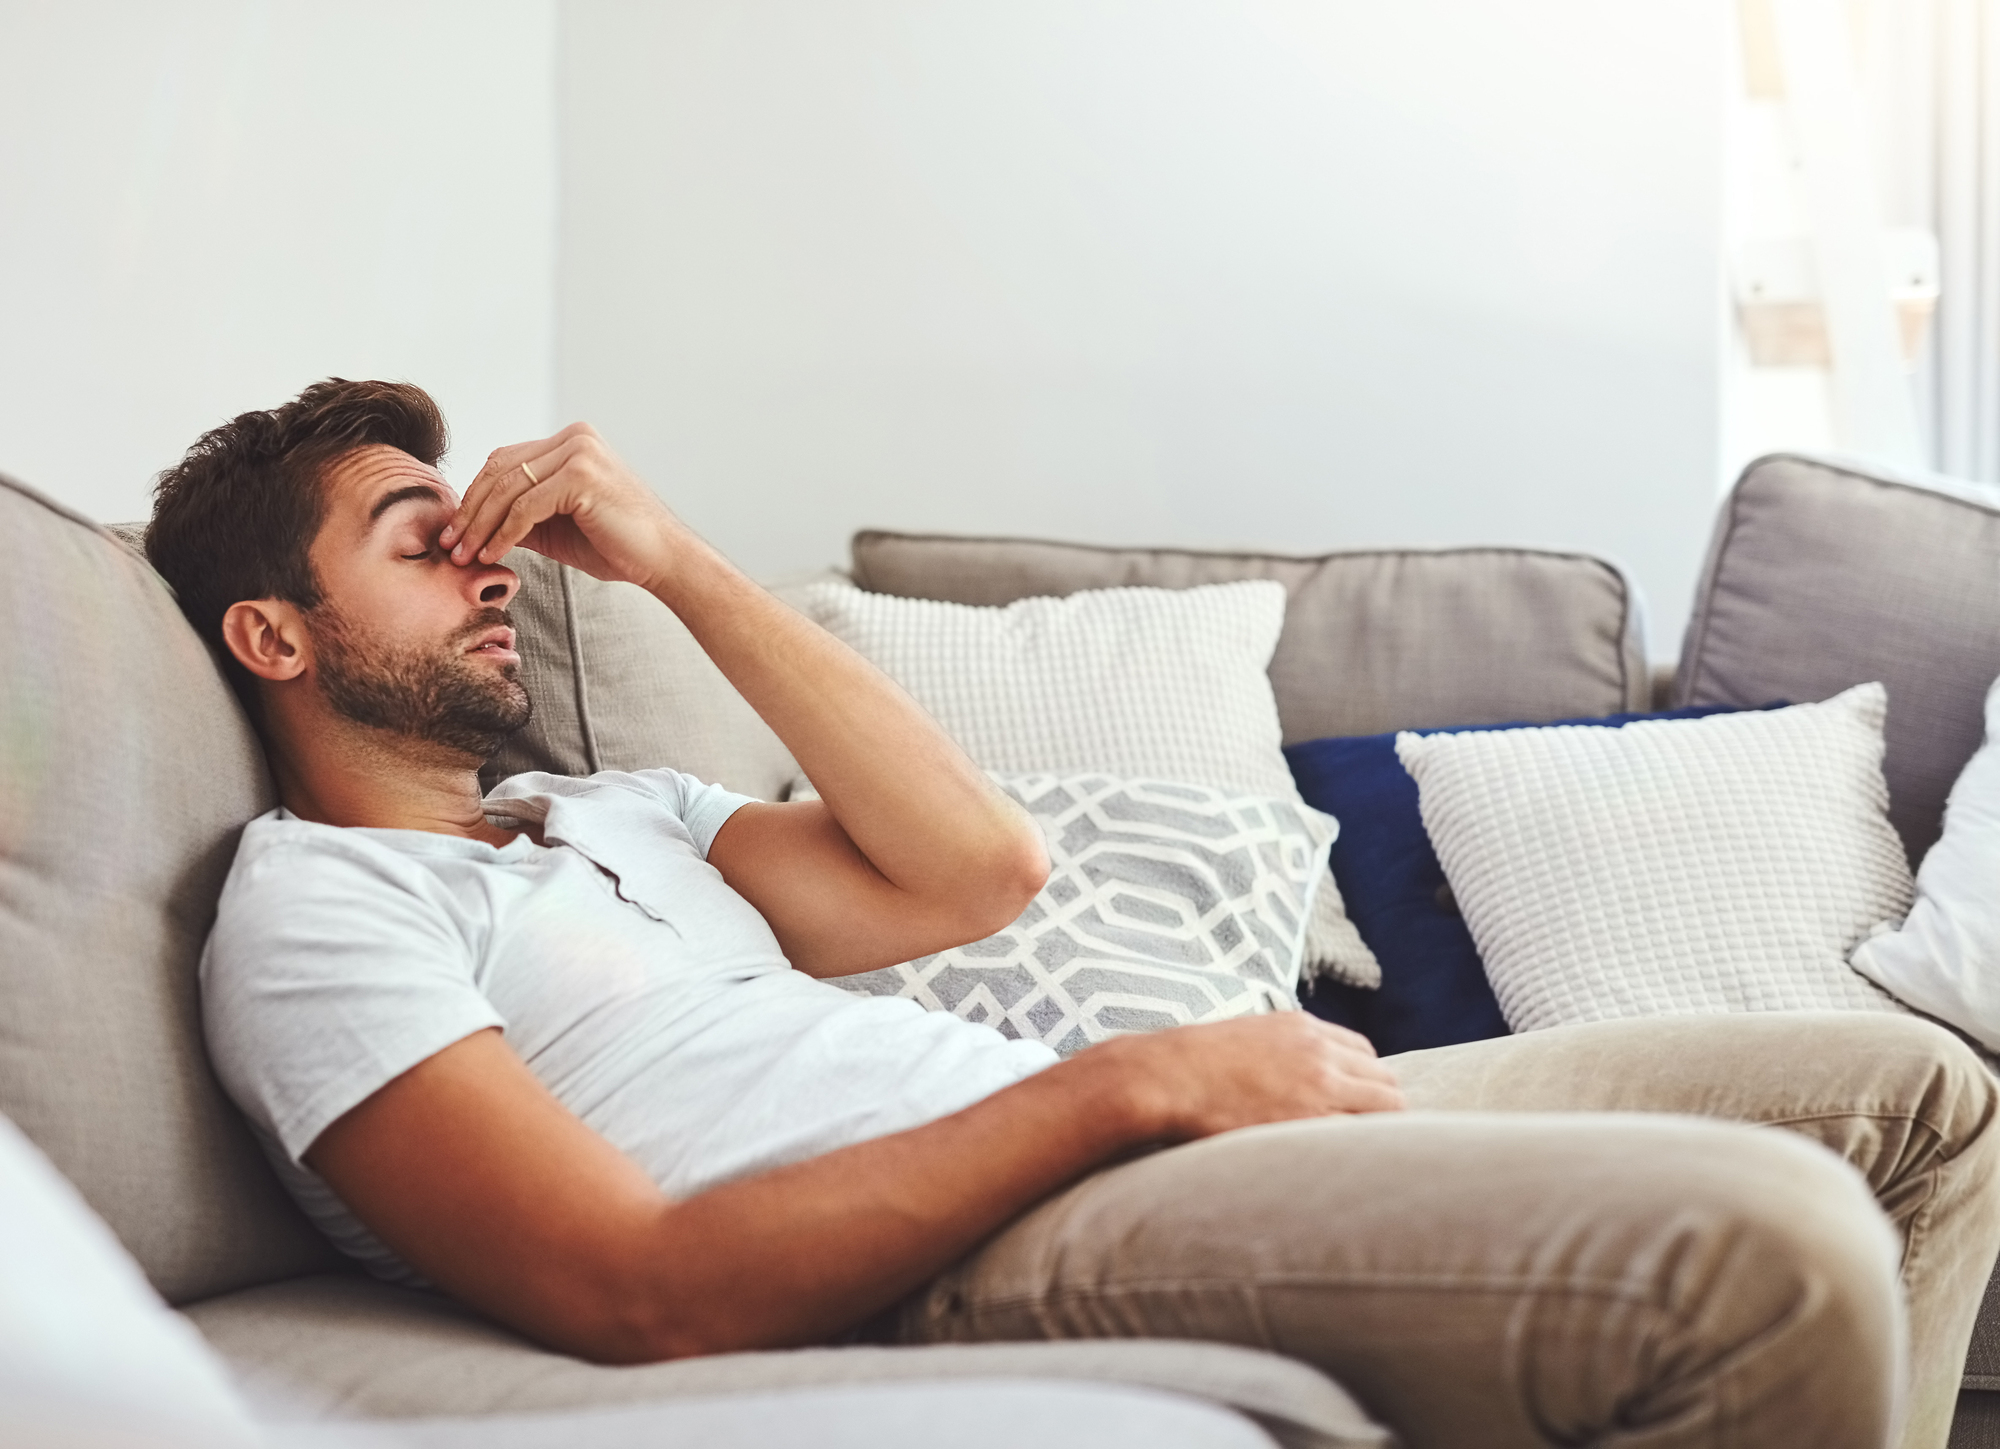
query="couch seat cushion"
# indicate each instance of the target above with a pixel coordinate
(990, 1414)
(342, 1344)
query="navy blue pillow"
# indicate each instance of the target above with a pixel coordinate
(1434, 990)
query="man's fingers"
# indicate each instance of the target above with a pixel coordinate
(1371, 1068)
(505, 460)
(468, 503)
(483, 514)
(498, 465)
(537, 505)
(1350, 1038)
(1342, 1070)
(498, 499)
(1362, 1059)
(501, 465)
(561, 483)
(1373, 1097)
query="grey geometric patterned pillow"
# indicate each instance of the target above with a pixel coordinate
(1167, 904)
(1145, 683)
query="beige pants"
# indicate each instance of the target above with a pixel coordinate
(1483, 1281)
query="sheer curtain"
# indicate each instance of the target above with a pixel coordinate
(1934, 80)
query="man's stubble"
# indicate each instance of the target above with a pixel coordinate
(436, 696)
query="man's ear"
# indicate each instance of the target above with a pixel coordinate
(268, 637)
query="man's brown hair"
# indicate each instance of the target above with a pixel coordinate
(235, 519)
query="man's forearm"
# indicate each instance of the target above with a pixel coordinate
(800, 1253)
(912, 802)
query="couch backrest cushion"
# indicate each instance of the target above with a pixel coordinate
(1824, 574)
(1373, 641)
(126, 771)
(619, 684)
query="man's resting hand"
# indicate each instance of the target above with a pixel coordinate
(1200, 1080)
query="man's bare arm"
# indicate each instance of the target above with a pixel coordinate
(912, 850)
(481, 1180)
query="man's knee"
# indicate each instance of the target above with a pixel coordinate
(1924, 1070)
(1790, 1215)
(1779, 1286)
(1900, 1098)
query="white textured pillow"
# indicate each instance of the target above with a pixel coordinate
(1945, 958)
(1166, 904)
(1141, 683)
(1163, 684)
(1669, 866)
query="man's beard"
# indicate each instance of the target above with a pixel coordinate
(435, 696)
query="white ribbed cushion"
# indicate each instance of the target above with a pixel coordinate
(1670, 866)
(1166, 905)
(1160, 684)
(1944, 958)
(1163, 684)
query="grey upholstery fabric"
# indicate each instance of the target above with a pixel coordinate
(1982, 1361)
(344, 1345)
(1977, 1423)
(619, 684)
(126, 771)
(997, 1414)
(1823, 574)
(1373, 641)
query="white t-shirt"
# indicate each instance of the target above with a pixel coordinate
(648, 996)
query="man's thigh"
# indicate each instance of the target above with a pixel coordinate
(1747, 1066)
(1473, 1278)
(1887, 1092)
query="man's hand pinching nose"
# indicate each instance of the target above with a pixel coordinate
(568, 497)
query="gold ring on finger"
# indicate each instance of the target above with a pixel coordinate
(531, 474)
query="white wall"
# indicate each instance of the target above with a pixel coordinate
(1296, 274)
(207, 204)
(1301, 274)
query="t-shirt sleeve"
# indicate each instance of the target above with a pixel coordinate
(702, 808)
(328, 975)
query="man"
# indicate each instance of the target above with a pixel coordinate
(562, 1052)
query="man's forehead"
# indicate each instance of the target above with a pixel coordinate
(364, 478)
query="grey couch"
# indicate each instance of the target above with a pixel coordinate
(126, 770)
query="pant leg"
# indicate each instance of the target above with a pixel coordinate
(1901, 1099)
(1644, 1282)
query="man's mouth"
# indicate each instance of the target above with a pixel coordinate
(497, 644)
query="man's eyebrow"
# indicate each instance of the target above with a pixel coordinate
(402, 495)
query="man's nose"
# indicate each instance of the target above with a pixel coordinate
(491, 585)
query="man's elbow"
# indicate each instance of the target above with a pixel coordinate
(629, 1345)
(623, 1325)
(1009, 876)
